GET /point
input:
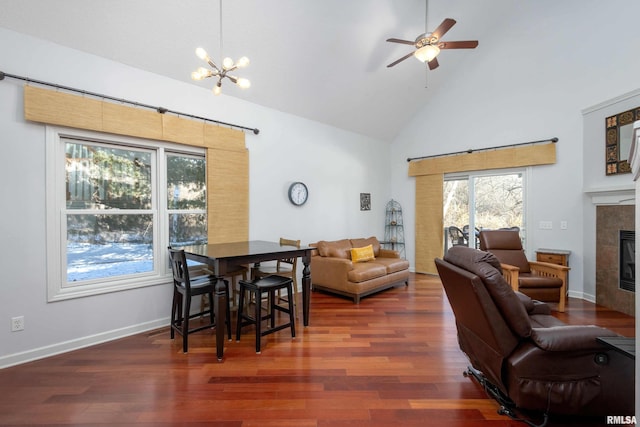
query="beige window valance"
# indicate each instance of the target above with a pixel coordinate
(226, 153)
(429, 174)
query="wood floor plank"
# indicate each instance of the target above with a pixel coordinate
(391, 360)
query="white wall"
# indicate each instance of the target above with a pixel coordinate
(599, 188)
(336, 166)
(530, 80)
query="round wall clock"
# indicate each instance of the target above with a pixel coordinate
(298, 193)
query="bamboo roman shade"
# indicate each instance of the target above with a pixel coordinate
(227, 156)
(429, 175)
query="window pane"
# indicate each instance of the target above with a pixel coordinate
(100, 177)
(456, 203)
(187, 229)
(482, 202)
(499, 201)
(186, 187)
(100, 246)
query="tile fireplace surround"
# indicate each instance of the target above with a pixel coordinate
(609, 221)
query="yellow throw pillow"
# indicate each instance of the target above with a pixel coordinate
(362, 254)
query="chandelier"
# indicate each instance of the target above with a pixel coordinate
(220, 72)
(228, 65)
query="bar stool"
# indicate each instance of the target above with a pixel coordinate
(184, 288)
(268, 285)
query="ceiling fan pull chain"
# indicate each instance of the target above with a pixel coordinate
(426, 76)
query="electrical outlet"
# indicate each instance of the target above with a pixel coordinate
(563, 225)
(17, 323)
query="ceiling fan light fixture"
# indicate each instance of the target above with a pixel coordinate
(427, 53)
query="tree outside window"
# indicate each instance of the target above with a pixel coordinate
(119, 203)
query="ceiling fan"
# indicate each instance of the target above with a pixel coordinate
(428, 45)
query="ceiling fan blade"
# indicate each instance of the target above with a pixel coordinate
(433, 64)
(400, 60)
(443, 28)
(466, 44)
(393, 40)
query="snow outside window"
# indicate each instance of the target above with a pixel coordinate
(114, 204)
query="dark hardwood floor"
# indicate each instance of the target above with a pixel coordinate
(391, 360)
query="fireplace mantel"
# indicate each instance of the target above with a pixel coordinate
(620, 195)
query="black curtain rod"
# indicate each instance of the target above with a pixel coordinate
(160, 110)
(469, 151)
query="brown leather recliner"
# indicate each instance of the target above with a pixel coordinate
(542, 281)
(531, 359)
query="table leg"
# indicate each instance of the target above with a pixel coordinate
(220, 307)
(306, 289)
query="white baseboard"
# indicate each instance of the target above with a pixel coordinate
(582, 295)
(66, 346)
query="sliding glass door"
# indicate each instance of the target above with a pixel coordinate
(490, 200)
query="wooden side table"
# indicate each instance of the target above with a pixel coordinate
(624, 345)
(553, 256)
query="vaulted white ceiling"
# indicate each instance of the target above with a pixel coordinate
(324, 60)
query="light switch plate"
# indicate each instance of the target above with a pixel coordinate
(546, 225)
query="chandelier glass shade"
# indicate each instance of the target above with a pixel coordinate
(228, 65)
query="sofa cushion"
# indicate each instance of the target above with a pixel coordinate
(528, 280)
(337, 249)
(392, 264)
(363, 254)
(507, 246)
(373, 241)
(364, 271)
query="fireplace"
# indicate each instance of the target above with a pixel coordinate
(627, 270)
(615, 257)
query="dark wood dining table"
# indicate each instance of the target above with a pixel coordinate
(224, 257)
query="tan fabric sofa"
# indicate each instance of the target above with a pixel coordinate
(332, 269)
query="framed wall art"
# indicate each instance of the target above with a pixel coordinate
(619, 132)
(365, 201)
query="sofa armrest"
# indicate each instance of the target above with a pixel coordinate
(570, 337)
(327, 270)
(388, 253)
(532, 306)
(548, 269)
(511, 274)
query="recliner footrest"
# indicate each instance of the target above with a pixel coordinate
(507, 406)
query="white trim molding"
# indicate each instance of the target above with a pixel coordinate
(78, 343)
(619, 195)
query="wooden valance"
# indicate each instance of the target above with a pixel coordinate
(503, 158)
(226, 154)
(429, 175)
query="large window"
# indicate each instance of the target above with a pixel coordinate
(473, 202)
(114, 205)
(186, 199)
